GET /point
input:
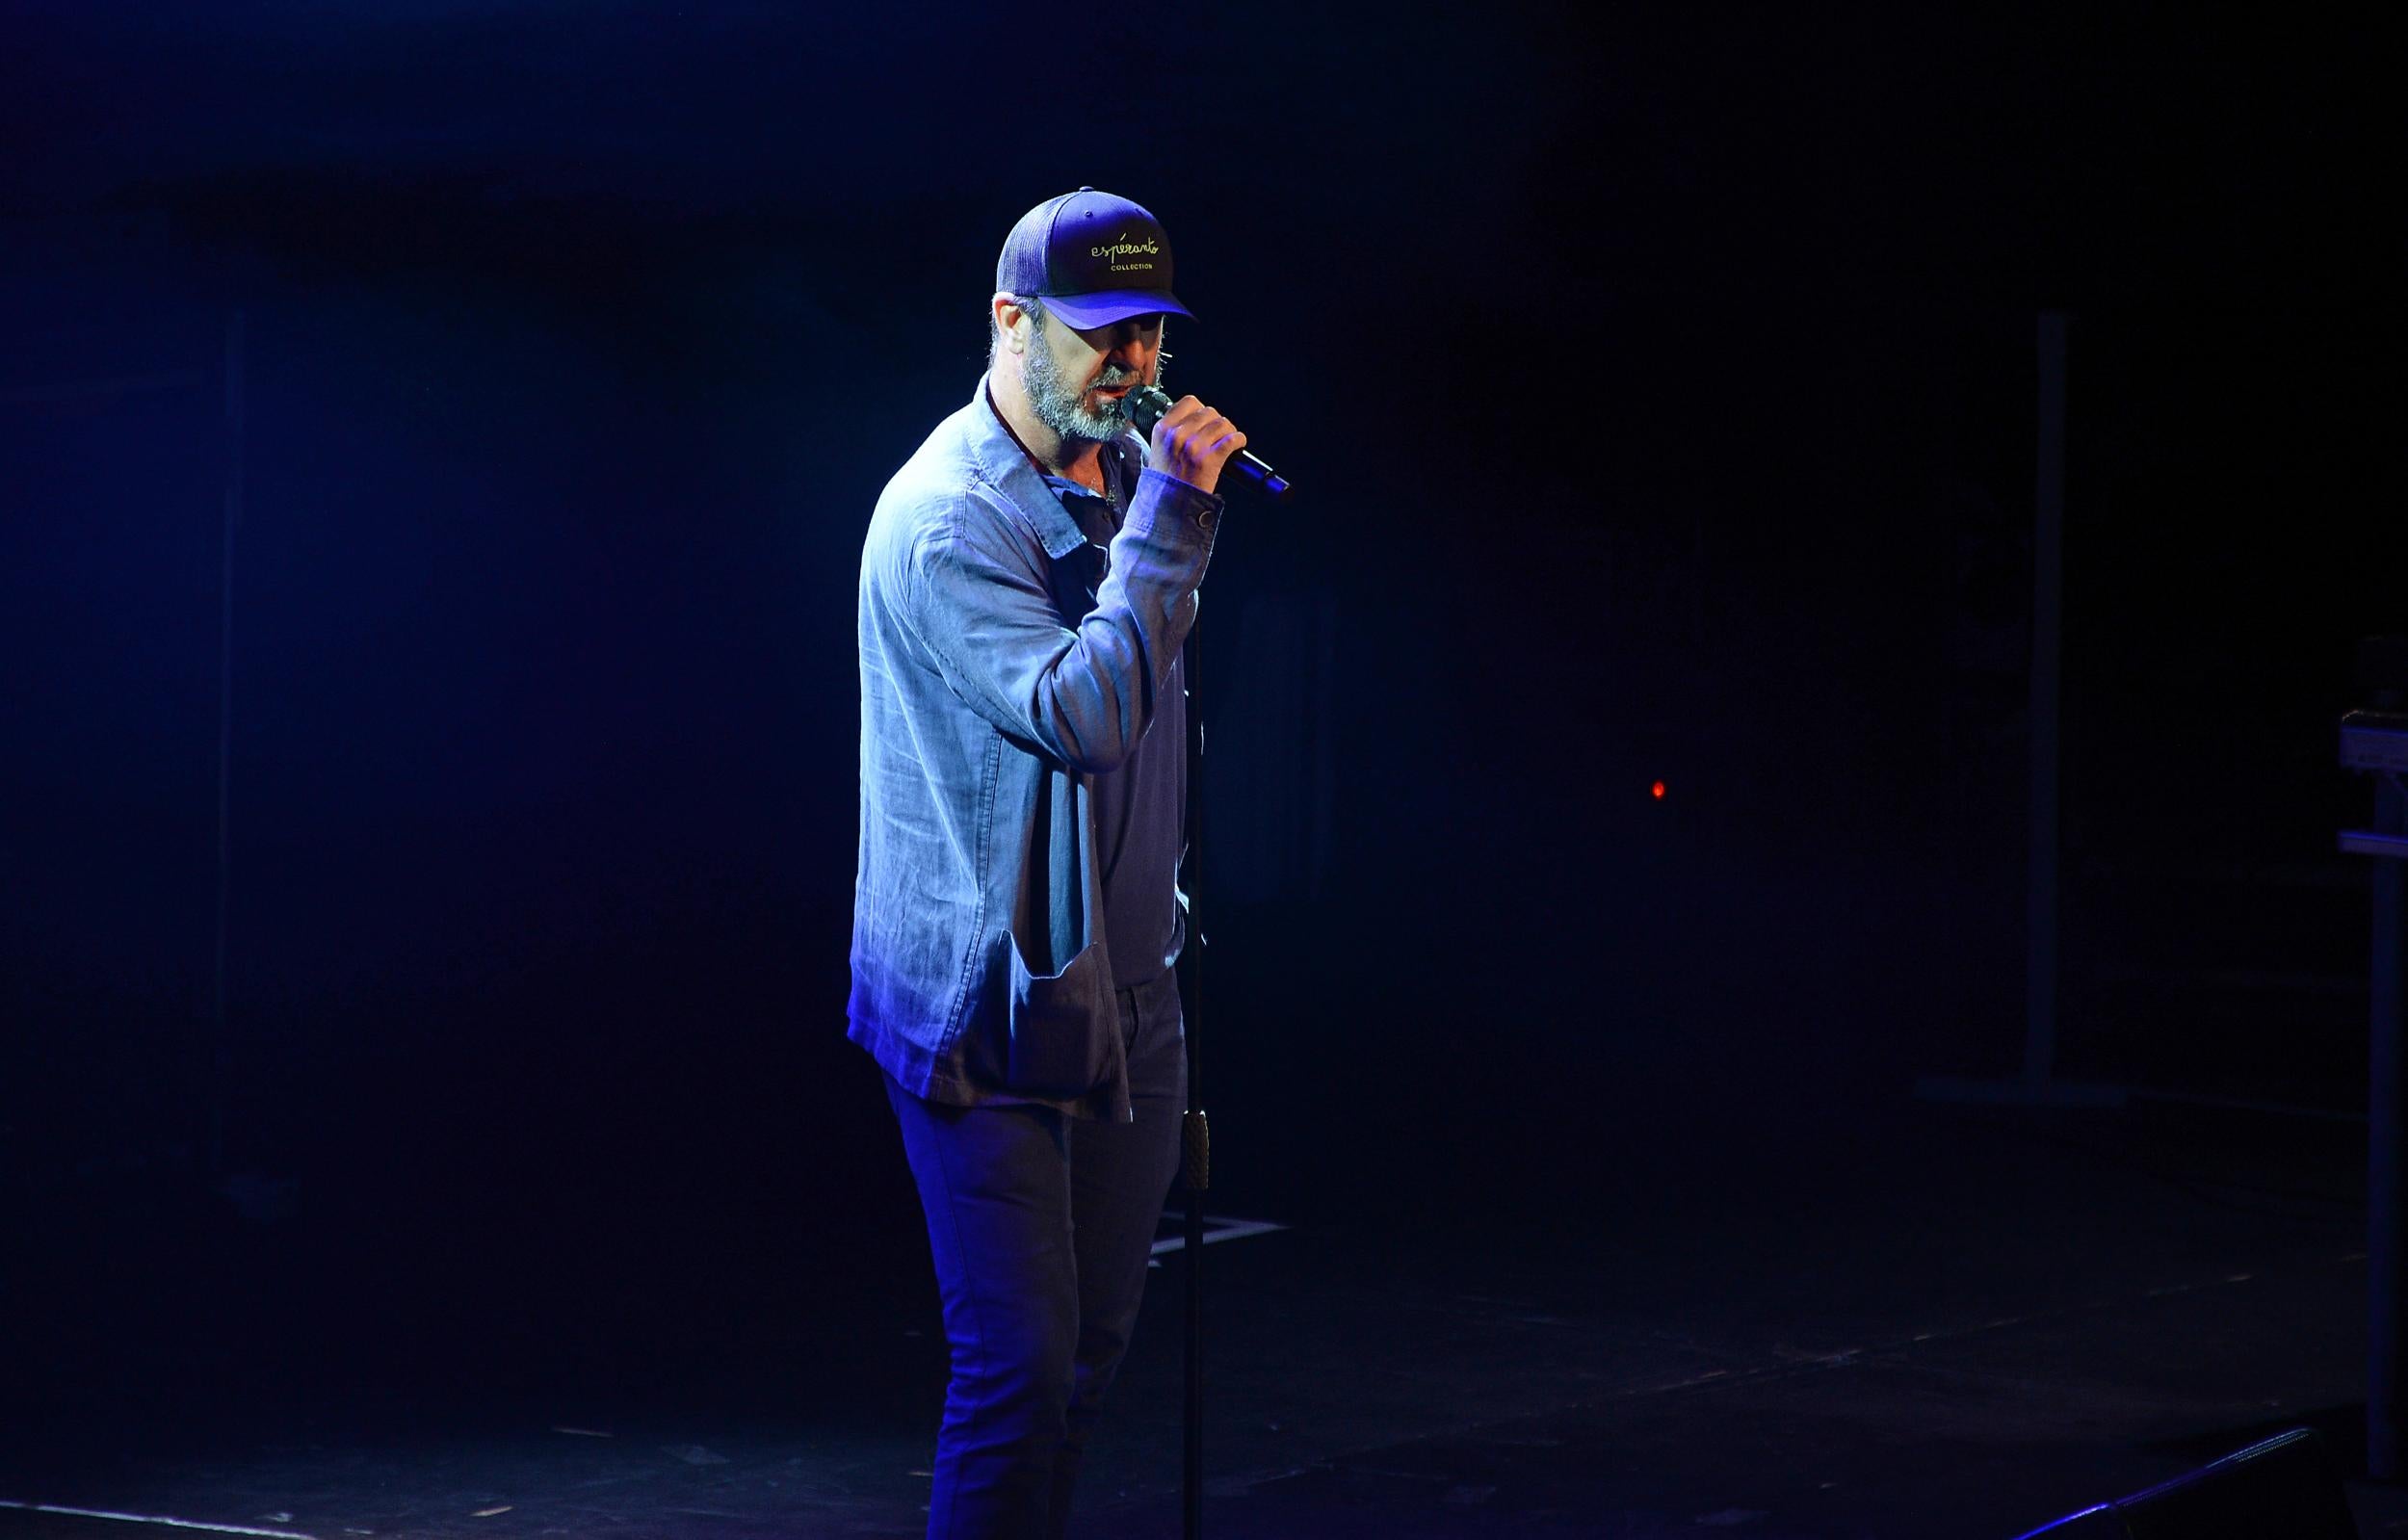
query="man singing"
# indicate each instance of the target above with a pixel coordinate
(1026, 580)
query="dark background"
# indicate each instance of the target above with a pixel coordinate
(1661, 386)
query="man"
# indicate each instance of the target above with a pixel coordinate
(1026, 580)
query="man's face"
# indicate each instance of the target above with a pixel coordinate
(1078, 383)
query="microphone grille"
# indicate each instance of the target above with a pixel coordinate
(1147, 406)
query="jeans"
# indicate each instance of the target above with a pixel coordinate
(1041, 1226)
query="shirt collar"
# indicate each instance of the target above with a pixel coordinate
(1064, 486)
(1008, 466)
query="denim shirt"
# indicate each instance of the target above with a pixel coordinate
(1139, 808)
(994, 690)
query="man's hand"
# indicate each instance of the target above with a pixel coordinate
(1192, 442)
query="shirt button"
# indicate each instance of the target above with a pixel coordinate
(1206, 518)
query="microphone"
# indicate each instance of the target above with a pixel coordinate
(1147, 406)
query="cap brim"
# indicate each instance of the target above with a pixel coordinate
(1086, 311)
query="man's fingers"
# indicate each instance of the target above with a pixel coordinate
(1203, 430)
(1187, 412)
(1192, 441)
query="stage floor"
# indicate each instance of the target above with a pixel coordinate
(1929, 1320)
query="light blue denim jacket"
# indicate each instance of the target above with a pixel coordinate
(992, 696)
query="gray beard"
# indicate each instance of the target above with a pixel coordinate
(1058, 406)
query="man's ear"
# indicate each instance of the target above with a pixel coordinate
(1012, 320)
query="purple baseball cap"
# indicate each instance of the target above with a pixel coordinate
(1092, 259)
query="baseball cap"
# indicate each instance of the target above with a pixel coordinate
(1093, 257)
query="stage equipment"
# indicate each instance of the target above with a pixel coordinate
(2374, 741)
(2284, 1489)
(1146, 407)
(2037, 1084)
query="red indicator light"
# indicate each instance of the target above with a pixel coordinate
(1659, 790)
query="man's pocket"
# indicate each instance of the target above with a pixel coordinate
(1061, 1030)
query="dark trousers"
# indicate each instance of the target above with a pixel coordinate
(1041, 1226)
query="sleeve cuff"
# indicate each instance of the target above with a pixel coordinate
(1179, 500)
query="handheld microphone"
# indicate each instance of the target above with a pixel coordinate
(1147, 406)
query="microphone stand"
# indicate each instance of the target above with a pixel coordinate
(1196, 1132)
(1146, 407)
